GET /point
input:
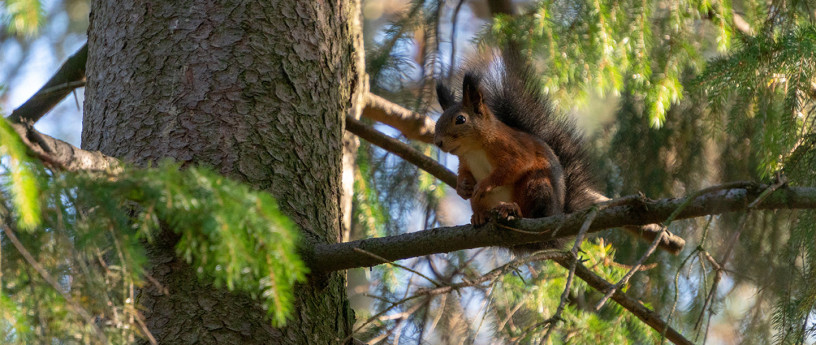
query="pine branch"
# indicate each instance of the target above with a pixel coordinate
(339, 256)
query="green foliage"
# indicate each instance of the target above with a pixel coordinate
(370, 216)
(797, 297)
(21, 183)
(92, 239)
(223, 227)
(368, 212)
(23, 17)
(525, 303)
(600, 46)
(775, 75)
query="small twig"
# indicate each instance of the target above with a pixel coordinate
(624, 200)
(486, 305)
(676, 292)
(489, 276)
(781, 181)
(711, 260)
(145, 330)
(507, 227)
(631, 272)
(719, 267)
(383, 336)
(454, 21)
(76, 99)
(376, 316)
(510, 314)
(677, 274)
(163, 290)
(438, 317)
(50, 280)
(648, 317)
(648, 267)
(61, 88)
(386, 261)
(719, 271)
(574, 255)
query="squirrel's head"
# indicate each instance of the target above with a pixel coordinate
(463, 125)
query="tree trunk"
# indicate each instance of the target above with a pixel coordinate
(256, 90)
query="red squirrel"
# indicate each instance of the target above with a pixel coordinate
(501, 169)
(517, 158)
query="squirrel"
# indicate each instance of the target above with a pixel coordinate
(517, 158)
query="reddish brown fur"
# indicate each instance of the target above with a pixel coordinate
(501, 169)
(518, 171)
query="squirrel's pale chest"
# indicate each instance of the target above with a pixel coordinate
(478, 163)
(481, 167)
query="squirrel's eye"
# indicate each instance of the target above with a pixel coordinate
(460, 119)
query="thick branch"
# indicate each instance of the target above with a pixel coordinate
(414, 126)
(61, 154)
(400, 149)
(59, 86)
(339, 256)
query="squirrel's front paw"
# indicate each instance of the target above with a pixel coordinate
(479, 192)
(507, 211)
(465, 188)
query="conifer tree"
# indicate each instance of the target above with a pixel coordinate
(206, 204)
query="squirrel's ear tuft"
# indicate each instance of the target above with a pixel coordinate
(471, 94)
(444, 95)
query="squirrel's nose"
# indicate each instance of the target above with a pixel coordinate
(438, 142)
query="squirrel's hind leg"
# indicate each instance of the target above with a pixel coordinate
(541, 196)
(507, 211)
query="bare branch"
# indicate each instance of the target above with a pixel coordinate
(339, 256)
(401, 149)
(454, 22)
(491, 276)
(69, 76)
(63, 155)
(414, 126)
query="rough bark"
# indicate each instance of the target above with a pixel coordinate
(256, 90)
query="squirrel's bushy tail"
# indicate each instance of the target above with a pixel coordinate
(513, 93)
